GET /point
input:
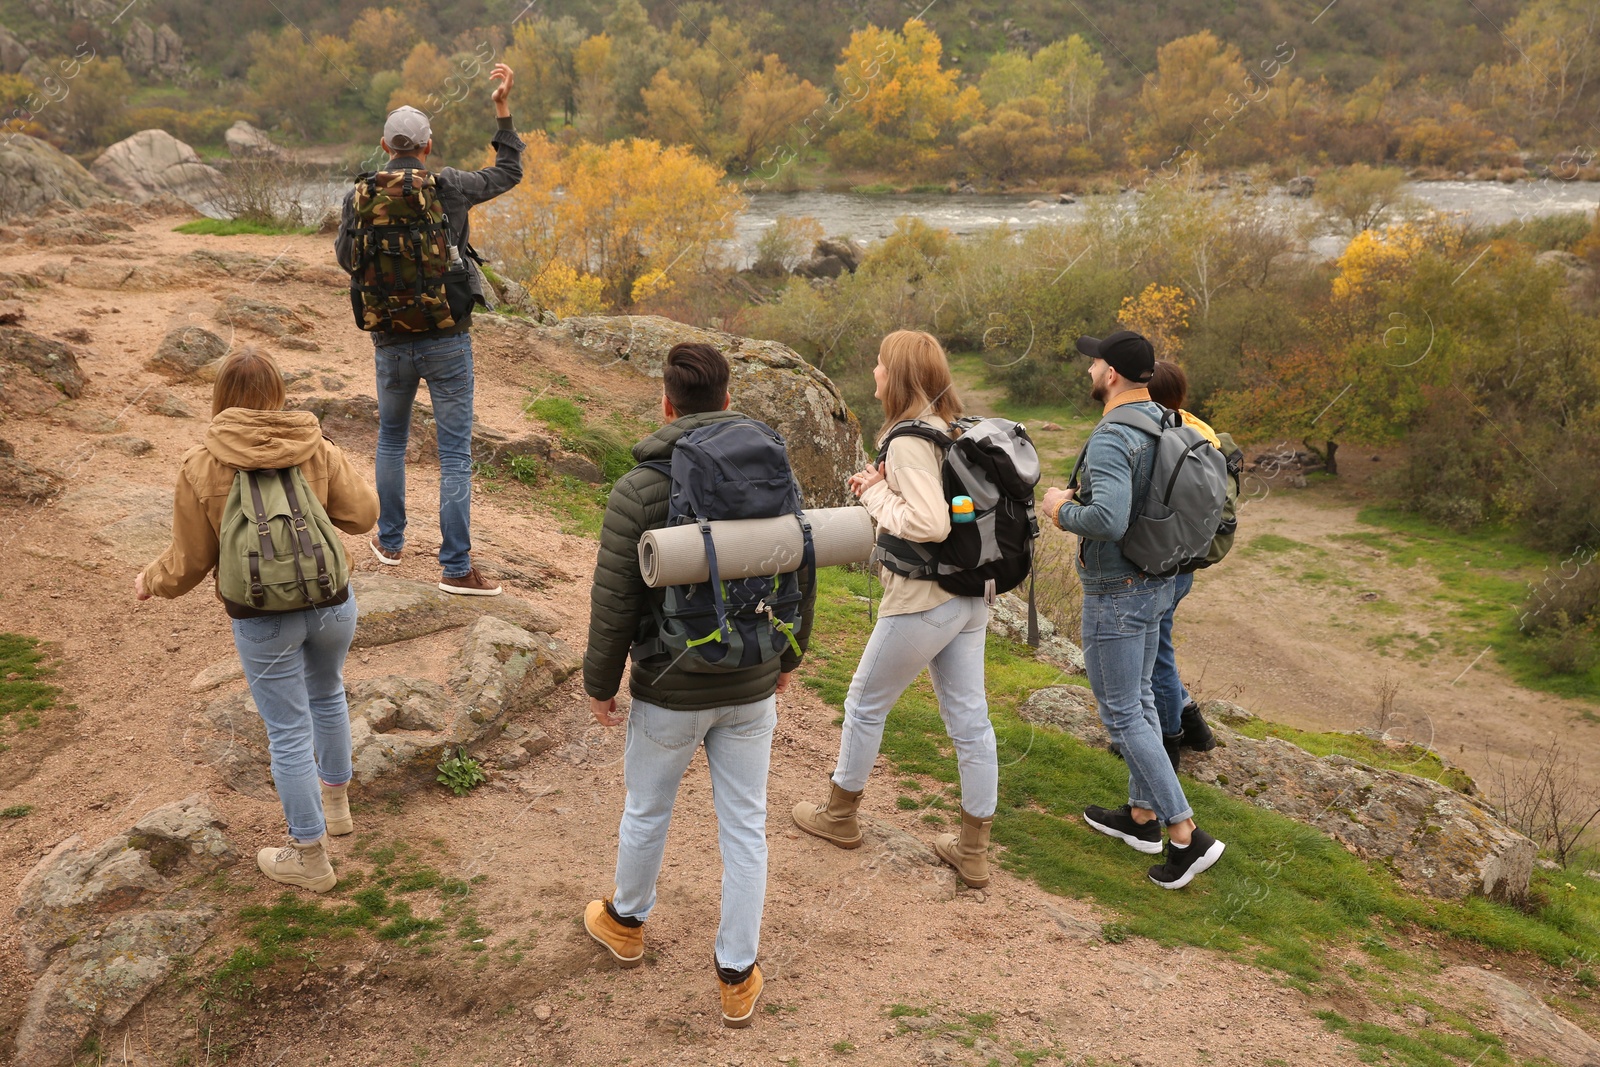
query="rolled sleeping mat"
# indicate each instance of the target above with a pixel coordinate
(749, 548)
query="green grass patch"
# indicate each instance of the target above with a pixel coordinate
(15, 811)
(1262, 544)
(233, 227)
(1436, 1047)
(873, 189)
(579, 505)
(22, 691)
(1284, 896)
(1406, 758)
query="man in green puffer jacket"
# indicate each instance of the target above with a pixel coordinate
(675, 711)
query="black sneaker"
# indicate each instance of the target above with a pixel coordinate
(1119, 823)
(1184, 863)
(1196, 734)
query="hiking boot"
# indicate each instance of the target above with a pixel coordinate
(739, 999)
(1120, 824)
(299, 863)
(470, 584)
(1170, 742)
(615, 935)
(386, 557)
(1196, 734)
(834, 821)
(968, 853)
(1183, 863)
(336, 808)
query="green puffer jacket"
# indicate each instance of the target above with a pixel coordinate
(620, 614)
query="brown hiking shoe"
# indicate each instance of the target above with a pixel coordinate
(968, 853)
(387, 558)
(834, 821)
(299, 864)
(470, 584)
(625, 943)
(336, 808)
(739, 1001)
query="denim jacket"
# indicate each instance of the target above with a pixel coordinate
(1113, 482)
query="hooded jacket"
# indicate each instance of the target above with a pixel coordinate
(620, 603)
(251, 439)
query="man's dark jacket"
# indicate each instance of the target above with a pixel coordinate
(460, 191)
(620, 604)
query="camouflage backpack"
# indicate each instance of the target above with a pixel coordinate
(407, 276)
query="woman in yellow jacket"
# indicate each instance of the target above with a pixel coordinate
(294, 661)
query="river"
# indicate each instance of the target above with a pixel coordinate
(869, 217)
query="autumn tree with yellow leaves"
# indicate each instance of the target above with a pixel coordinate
(624, 219)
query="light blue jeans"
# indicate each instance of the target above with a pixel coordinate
(1121, 632)
(445, 363)
(294, 663)
(949, 641)
(661, 742)
(1171, 696)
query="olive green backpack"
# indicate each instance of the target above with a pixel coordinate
(278, 550)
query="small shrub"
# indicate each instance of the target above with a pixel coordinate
(15, 811)
(789, 241)
(461, 773)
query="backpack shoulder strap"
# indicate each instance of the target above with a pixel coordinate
(913, 428)
(1138, 420)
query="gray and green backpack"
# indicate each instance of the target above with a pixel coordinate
(277, 549)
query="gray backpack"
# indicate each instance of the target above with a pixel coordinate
(1182, 507)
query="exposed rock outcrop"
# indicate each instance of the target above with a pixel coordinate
(23, 483)
(147, 50)
(14, 55)
(34, 173)
(153, 162)
(36, 373)
(769, 382)
(1531, 1028)
(247, 142)
(401, 726)
(1435, 839)
(104, 926)
(1008, 617)
(183, 351)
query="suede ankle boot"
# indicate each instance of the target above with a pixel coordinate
(834, 821)
(624, 942)
(336, 808)
(968, 853)
(299, 863)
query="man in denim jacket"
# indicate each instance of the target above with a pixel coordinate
(1122, 610)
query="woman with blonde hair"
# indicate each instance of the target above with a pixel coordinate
(920, 625)
(293, 659)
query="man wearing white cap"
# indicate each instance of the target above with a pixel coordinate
(408, 346)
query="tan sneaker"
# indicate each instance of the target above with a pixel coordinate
(739, 1001)
(625, 943)
(470, 584)
(336, 808)
(387, 558)
(834, 821)
(299, 864)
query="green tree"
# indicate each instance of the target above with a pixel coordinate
(1360, 196)
(301, 81)
(1198, 86)
(85, 113)
(1015, 141)
(381, 37)
(544, 52)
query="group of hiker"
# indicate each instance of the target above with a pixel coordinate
(261, 502)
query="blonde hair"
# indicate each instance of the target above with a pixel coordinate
(916, 379)
(248, 378)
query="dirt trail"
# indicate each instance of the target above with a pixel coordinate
(848, 935)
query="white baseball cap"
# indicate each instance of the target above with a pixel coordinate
(407, 128)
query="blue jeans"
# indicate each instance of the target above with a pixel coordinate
(1171, 696)
(661, 742)
(1120, 633)
(294, 663)
(949, 641)
(445, 363)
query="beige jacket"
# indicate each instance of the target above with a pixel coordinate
(909, 503)
(250, 439)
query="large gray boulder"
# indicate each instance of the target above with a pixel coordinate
(152, 163)
(1435, 839)
(34, 173)
(104, 926)
(1531, 1027)
(13, 53)
(36, 373)
(245, 141)
(147, 50)
(770, 381)
(1008, 618)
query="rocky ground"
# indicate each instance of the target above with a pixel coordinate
(875, 953)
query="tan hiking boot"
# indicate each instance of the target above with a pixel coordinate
(336, 809)
(625, 943)
(471, 583)
(739, 1001)
(299, 864)
(834, 821)
(968, 853)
